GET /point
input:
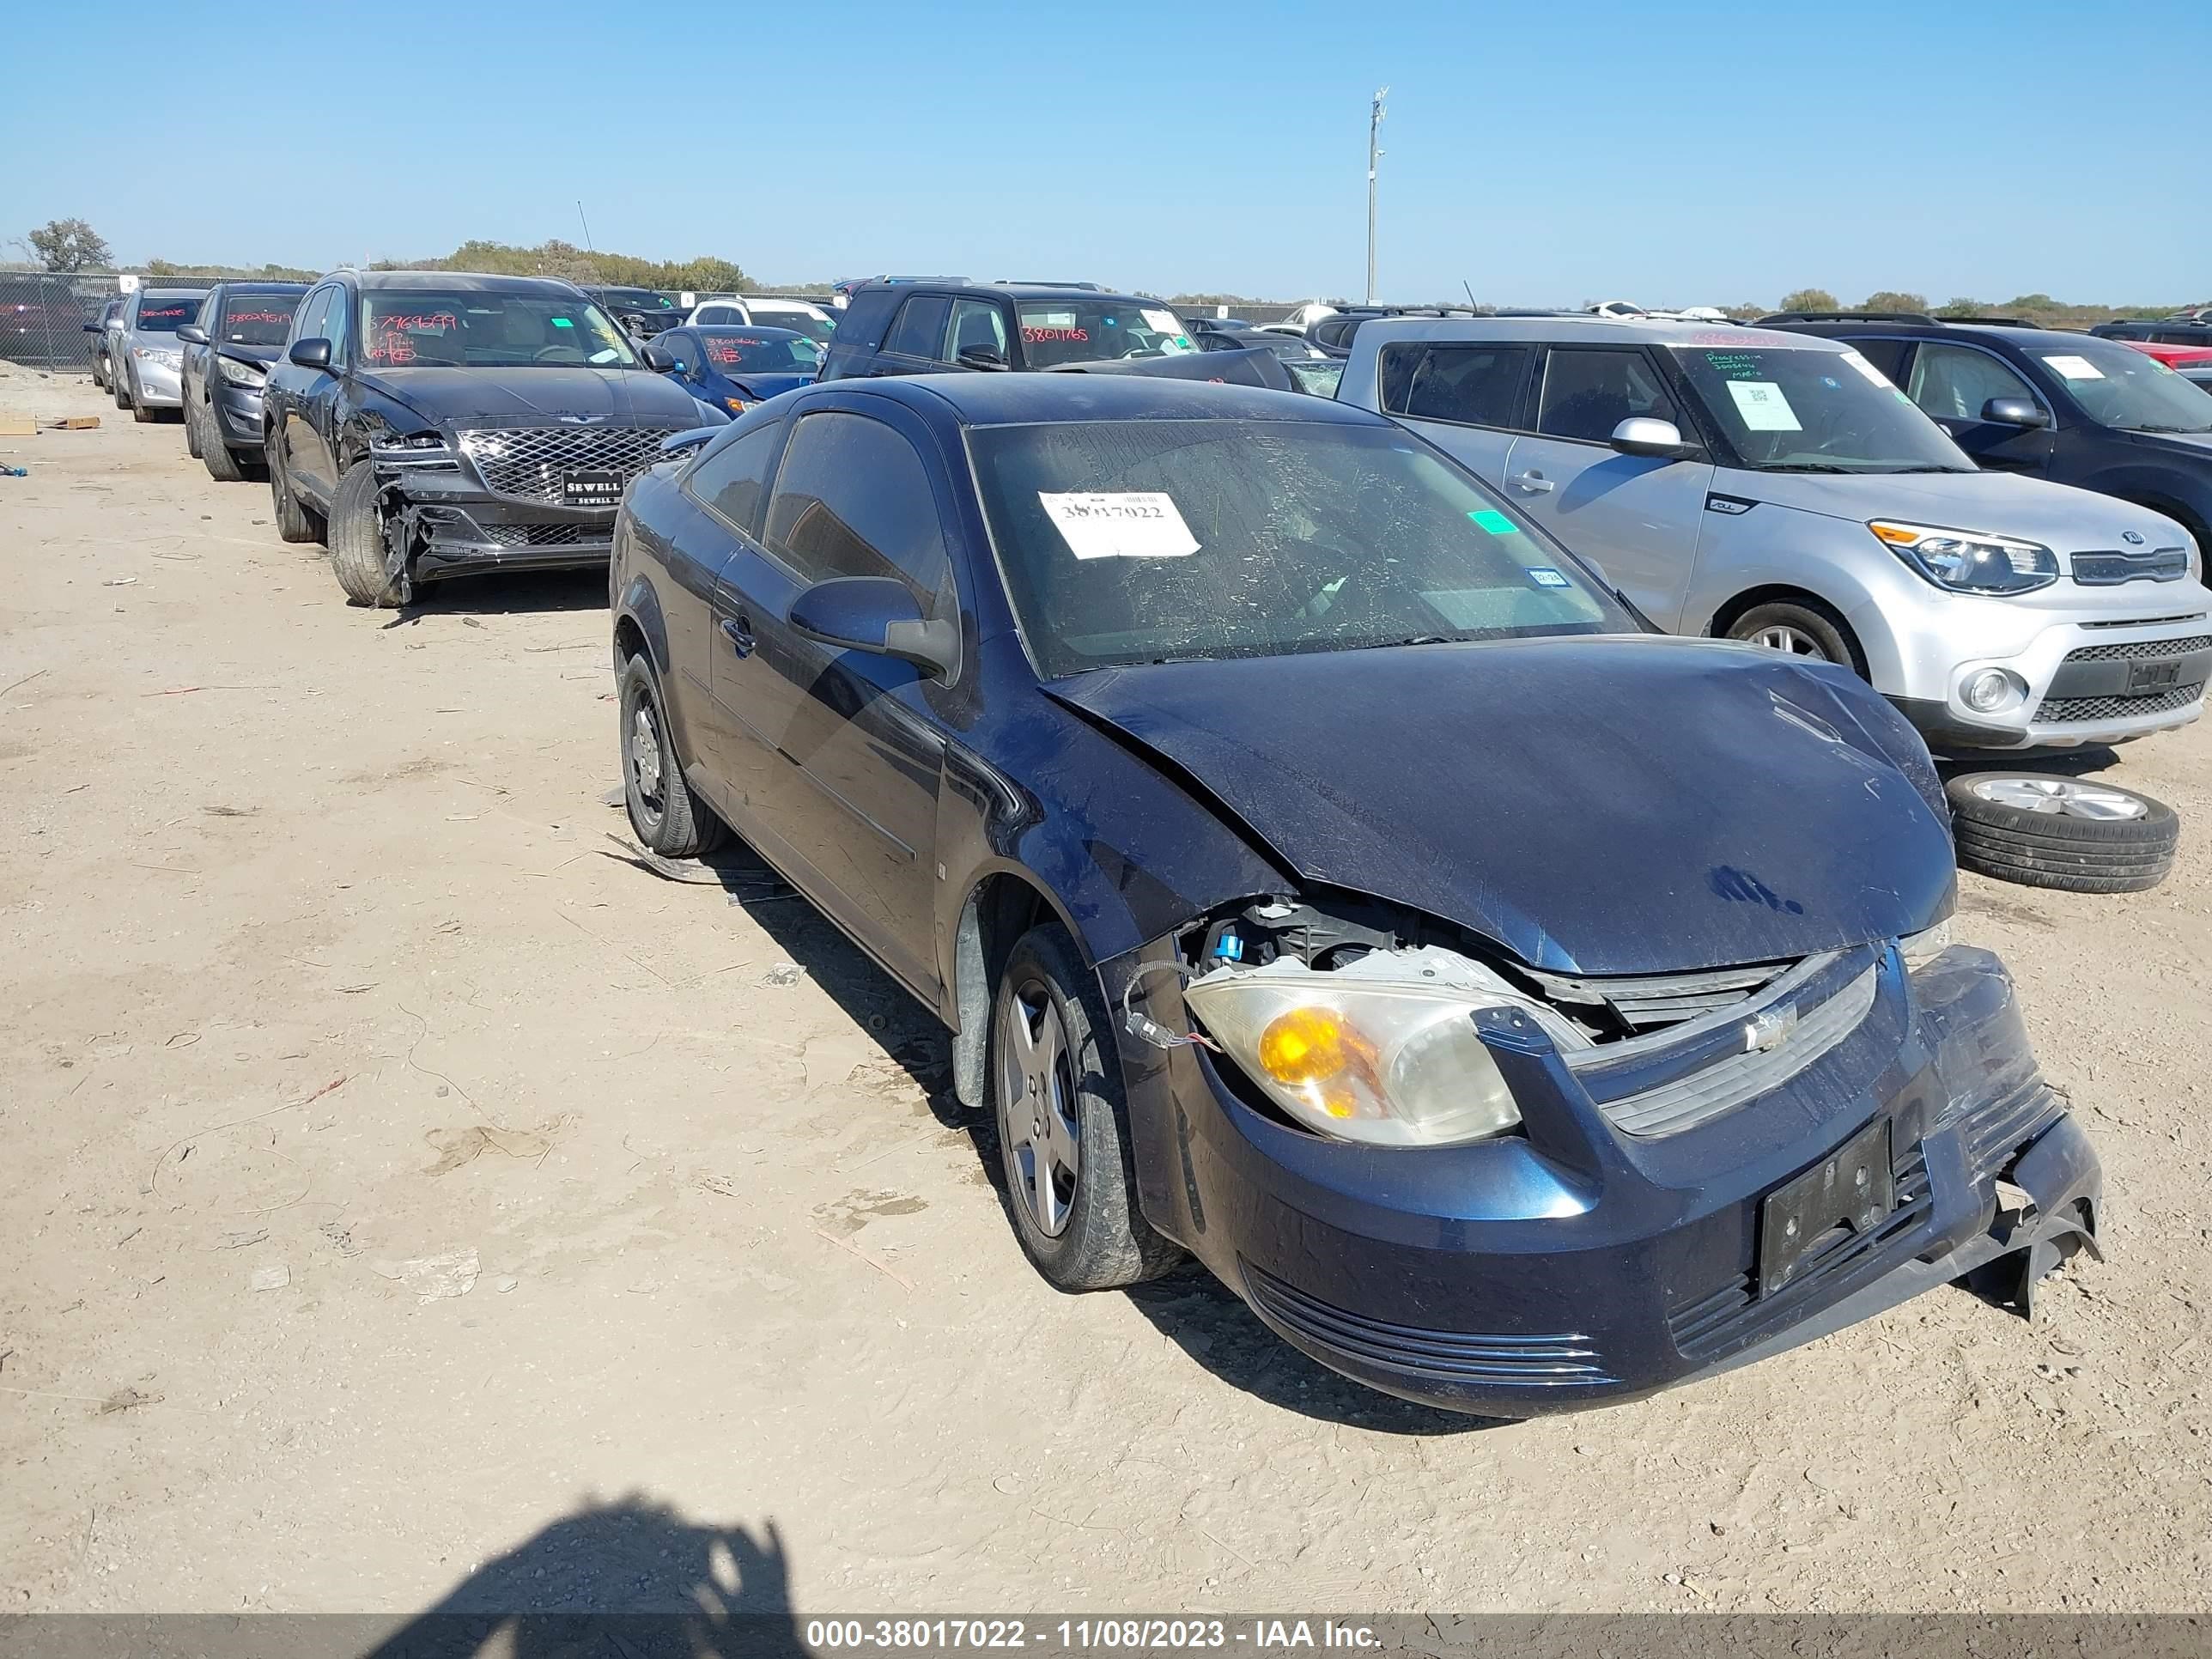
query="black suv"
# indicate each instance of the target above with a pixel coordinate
(227, 349)
(932, 327)
(2071, 408)
(2184, 328)
(432, 424)
(644, 311)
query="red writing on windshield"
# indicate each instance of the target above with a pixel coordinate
(162, 313)
(433, 322)
(1055, 335)
(722, 353)
(238, 317)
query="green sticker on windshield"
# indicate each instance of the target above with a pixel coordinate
(562, 322)
(1495, 522)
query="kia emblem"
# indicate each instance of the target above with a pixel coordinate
(2132, 538)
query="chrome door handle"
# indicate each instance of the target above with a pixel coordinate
(738, 631)
(1535, 484)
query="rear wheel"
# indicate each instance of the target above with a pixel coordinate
(669, 818)
(2074, 834)
(356, 541)
(296, 520)
(1063, 1123)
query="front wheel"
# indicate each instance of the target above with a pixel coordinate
(115, 377)
(356, 541)
(192, 429)
(667, 814)
(1063, 1124)
(220, 460)
(1812, 633)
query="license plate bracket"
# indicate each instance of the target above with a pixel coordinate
(2154, 675)
(591, 487)
(1852, 1189)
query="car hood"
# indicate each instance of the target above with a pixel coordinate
(536, 396)
(768, 386)
(1604, 806)
(2061, 517)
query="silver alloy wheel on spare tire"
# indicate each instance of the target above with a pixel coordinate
(2065, 798)
(1037, 1118)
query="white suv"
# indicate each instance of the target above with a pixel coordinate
(1775, 488)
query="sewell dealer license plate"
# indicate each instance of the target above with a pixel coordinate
(590, 487)
(1850, 1190)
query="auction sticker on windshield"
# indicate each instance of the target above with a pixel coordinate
(1873, 375)
(2077, 368)
(1162, 322)
(1763, 406)
(1133, 525)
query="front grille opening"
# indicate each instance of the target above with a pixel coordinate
(2057, 711)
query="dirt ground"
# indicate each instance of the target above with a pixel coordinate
(407, 1198)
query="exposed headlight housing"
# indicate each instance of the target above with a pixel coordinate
(1968, 562)
(239, 373)
(1383, 1052)
(1921, 948)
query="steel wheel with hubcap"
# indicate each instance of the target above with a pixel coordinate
(670, 819)
(2045, 830)
(1063, 1126)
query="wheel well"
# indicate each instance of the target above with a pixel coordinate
(2174, 510)
(1776, 593)
(629, 641)
(998, 913)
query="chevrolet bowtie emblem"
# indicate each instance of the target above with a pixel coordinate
(1769, 1030)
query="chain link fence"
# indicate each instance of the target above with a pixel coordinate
(42, 319)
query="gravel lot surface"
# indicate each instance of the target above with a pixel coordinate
(406, 1194)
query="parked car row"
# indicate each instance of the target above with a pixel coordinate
(1325, 868)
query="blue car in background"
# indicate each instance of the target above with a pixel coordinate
(732, 369)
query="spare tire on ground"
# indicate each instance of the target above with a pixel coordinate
(2044, 830)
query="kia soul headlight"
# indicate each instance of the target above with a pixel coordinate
(1382, 1051)
(1968, 562)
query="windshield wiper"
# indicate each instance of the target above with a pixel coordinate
(1807, 466)
(2191, 430)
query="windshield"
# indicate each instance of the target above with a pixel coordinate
(1055, 331)
(419, 328)
(1790, 410)
(760, 350)
(799, 322)
(260, 319)
(163, 314)
(2121, 386)
(635, 299)
(1143, 541)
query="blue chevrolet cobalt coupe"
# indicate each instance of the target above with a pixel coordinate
(1323, 872)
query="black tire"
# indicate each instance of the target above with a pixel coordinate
(1104, 1239)
(139, 412)
(220, 460)
(2060, 844)
(296, 520)
(669, 818)
(191, 428)
(356, 541)
(116, 389)
(100, 370)
(1818, 633)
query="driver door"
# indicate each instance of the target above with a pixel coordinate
(1637, 516)
(1953, 384)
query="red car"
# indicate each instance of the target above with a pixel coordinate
(2175, 356)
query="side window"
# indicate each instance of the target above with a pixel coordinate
(1888, 355)
(733, 479)
(681, 345)
(304, 319)
(211, 311)
(919, 327)
(1476, 384)
(975, 323)
(852, 499)
(719, 315)
(1953, 382)
(1588, 394)
(337, 324)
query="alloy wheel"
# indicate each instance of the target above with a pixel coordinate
(2065, 798)
(1037, 1107)
(1791, 641)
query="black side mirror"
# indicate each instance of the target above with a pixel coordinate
(2015, 411)
(979, 356)
(310, 353)
(93, 328)
(879, 616)
(193, 334)
(659, 359)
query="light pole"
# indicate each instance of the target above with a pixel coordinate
(1374, 154)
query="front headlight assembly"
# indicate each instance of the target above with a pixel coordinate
(240, 373)
(1968, 561)
(1383, 1052)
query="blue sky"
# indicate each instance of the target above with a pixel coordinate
(1677, 153)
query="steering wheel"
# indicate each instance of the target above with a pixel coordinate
(557, 352)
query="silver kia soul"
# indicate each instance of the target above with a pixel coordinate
(1775, 488)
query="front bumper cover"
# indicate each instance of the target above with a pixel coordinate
(1577, 1266)
(459, 526)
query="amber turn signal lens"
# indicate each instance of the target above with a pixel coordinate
(1302, 1045)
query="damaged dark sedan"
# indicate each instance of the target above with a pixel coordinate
(1324, 873)
(432, 424)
